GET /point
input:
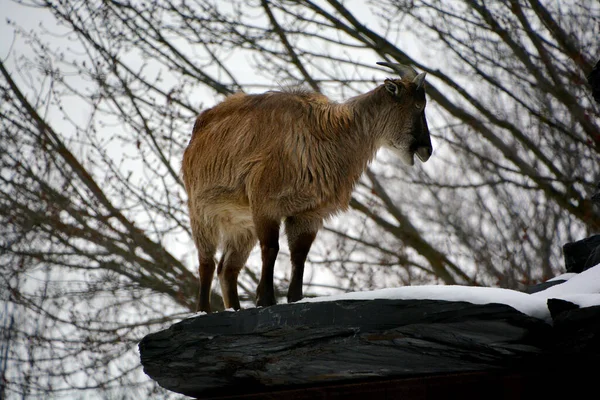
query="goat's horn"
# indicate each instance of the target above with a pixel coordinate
(402, 70)
(419, 79)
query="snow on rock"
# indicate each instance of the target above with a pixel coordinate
(587, 282)
(535, 307)
(563, 277)
(582, 289)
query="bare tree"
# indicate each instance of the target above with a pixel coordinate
(99, 101)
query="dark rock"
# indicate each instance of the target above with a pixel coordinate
(558, 306)
(582, 254)
(593, 259)
(295, 345)
(576, 339)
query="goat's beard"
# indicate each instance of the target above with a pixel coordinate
(404, 154)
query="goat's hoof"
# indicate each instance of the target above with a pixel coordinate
(260, 302)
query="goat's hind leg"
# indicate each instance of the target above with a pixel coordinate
(301, 232)
(236, 250)
(205, 238)
(267, 231)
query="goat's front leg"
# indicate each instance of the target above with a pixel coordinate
(301, 232)
(267, 231)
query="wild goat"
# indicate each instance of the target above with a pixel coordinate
(255, 160)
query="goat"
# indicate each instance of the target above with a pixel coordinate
(255, 160)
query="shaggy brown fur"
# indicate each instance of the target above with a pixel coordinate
(255, 160)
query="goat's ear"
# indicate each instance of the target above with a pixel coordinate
(392, 87)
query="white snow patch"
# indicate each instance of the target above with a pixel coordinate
(563, 277)
(587, 282)
(197, 314)
(582, 289)
(535, 307)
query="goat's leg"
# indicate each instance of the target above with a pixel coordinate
(205, 239)
(206, 271)
(267, 231)
(236, 251)
(301, 232)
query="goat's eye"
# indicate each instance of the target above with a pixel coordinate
(418, 106)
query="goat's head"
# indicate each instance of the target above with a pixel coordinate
(407, 133)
